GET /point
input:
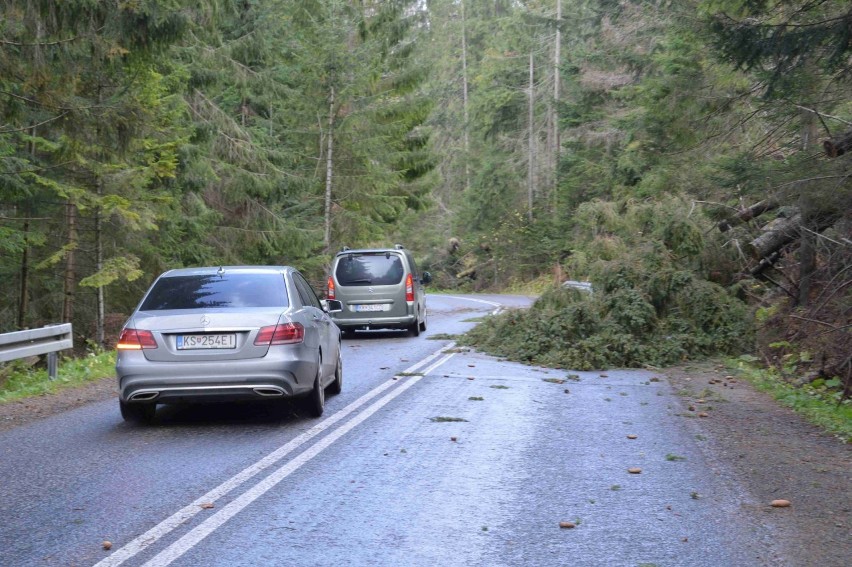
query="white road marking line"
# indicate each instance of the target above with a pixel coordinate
(208, 526)
(497, 306)
(183, 515)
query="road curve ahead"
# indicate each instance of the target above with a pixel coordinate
(432, 455)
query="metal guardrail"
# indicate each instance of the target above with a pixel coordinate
(47, 340)
(582, 286)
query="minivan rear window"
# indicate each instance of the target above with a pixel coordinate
(227, 290)
(369, 269)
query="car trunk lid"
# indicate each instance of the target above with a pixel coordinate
(205, 334)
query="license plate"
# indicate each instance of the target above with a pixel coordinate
(191, 342)
(370, 307)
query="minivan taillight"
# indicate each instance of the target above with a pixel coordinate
(330, 294)
(409, 287)
(136, 339)
(282, 334)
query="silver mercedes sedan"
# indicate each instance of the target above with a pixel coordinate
(228, 333)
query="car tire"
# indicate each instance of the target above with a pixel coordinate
(316, 399)
(137, 413)
(423, 323)
(414, 329)
(337, 385)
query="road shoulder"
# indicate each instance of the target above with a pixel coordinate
(20, 412)
(775, 455)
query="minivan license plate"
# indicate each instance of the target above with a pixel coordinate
(191, 342)
(370, 307)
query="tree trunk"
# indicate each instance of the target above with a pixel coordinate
(99, 251)
(465, 108)
(24, 303)
(765, 263)
(557, 51)
(471, 272)
(776, 235)
(809, 128)
(745, 215)
(807, 266)
(99, 261)
(70, 262)
(328, 172)
(531, 142)
(782, 231)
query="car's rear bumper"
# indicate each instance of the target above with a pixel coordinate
(367, 322)
(143, 381)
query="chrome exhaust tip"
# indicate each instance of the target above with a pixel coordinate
(143, 396)
(269, 392)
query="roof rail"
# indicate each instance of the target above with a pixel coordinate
(345, 248)
(399, 246)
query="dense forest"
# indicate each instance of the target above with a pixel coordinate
(691, 158)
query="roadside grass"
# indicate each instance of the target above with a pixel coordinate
(819, 403)
(18, 381)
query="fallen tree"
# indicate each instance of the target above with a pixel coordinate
(775, 235)
(748, 213)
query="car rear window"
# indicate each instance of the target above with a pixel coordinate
(227, 290)
(369, 269)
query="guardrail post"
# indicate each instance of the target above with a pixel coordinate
(34, 342)
(52, 360)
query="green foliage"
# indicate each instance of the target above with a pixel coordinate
(628, 309)
(21, 381)
(783, 41)
(91, 131)
(12, 242)
(646, 309)
(617, 329)
(126, 267)
(181, 134)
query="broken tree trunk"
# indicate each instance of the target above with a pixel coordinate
(471, 272)
(768, 247)
(745, 215)
(765, 263)
(838, 146)
(775, 235)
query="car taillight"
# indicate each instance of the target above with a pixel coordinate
(283, 334)
(409, 287)
(330, 294)
(136, 339)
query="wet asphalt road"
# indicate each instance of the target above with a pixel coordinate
(430, 456)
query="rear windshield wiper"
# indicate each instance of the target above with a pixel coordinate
(365, 280)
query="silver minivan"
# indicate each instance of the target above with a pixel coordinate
(379, 288)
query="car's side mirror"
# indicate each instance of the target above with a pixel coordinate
(332, 305)
(426, 279)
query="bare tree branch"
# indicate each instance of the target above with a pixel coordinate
(25, 128)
